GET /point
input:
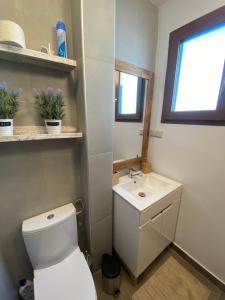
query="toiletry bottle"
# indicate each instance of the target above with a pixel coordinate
(26, 290)
(61, 39)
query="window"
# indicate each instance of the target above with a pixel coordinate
(130, 98)
(195, 80)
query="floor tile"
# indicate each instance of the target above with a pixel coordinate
(128, 289)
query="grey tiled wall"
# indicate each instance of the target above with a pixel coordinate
(35, 177)
(136, 32)
(97, 56)
(41, 175)
(38, 176)
(38, 19)
(99, 74)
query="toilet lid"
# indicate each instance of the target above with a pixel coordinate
(71, 279)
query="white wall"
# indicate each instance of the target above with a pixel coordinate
(194, 155)
(135, 43)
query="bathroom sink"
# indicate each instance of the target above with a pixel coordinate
(143, 191)
(145, 213)
(144, 187)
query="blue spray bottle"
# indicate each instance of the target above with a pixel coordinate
(61, 39)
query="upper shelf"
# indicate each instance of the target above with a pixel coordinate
(32, 57)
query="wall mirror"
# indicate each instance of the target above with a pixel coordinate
(132, 113)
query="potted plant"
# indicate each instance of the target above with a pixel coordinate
(51, 107)
(9, 102)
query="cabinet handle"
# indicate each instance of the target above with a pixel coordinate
(165, 209)
(155, 216)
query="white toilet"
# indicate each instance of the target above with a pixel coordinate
(60, 269)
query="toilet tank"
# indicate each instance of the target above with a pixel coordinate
(51, 236)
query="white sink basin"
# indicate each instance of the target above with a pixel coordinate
(143, 191)
(144, 187)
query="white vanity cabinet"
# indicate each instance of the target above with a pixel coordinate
(140, 236)
(150, 243)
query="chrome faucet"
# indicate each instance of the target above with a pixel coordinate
(133, 172)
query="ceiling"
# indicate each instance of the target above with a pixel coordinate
(158, 2)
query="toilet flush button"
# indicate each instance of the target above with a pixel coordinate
(49, 217)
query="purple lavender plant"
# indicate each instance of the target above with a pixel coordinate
(3, 85)
(50, 104)
(9, 101)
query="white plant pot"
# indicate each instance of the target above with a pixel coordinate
(6, 127)
(53, 126)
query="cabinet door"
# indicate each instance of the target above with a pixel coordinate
(149, 242)
(169, 223)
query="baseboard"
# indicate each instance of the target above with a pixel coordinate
(214, 279)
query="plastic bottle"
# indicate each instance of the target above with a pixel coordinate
(61, 39)
(26, 290)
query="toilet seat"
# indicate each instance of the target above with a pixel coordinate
(70, 279)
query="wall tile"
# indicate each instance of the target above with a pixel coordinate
(35, 177)
(99, 29)
(16, 75)
(100, 189)
(12, 10)
(79, 94)
(101, 237)
(51, 78)
(76, 28)
(136, 32)
(84, 159)
(29, 77)
(99, 58)
(39, 26)
(222, 297)
(7, 290)
(99, 93)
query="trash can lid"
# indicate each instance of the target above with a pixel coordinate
(110, 266)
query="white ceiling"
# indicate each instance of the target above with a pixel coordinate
(158, 2)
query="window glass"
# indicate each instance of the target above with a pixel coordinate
(128, 93)
(199, 71)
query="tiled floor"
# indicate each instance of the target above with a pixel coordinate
(128, 290)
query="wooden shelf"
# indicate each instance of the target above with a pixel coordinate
(36, 133)
(32, 57)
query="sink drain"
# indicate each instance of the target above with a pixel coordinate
(142, 194)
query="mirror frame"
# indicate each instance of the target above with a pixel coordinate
(123, 66)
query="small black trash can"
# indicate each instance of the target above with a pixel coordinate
(111, 275)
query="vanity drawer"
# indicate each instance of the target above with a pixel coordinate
(159, 206)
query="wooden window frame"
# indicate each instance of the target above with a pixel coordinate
(209, 117)
(138, 117)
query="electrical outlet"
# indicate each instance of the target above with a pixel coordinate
(156, 133)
